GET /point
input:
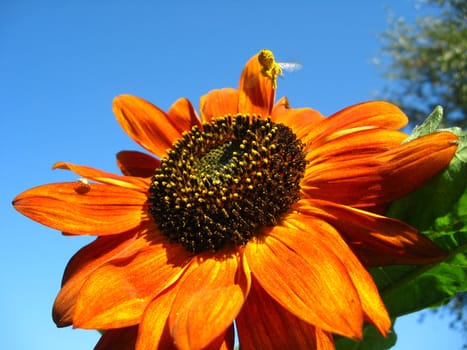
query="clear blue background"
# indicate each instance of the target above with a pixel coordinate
(62, 62)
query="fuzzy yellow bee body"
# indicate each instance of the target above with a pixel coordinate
(272, 69)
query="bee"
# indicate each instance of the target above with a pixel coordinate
(82, 186)
(272, 69)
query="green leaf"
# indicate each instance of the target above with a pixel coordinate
(372, 341)
(407, 289)
(430, 125)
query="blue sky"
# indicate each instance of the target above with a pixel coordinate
(62, 62)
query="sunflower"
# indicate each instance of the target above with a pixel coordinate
(254, 215)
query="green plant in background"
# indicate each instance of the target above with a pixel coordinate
(439, 210)
(427, 60)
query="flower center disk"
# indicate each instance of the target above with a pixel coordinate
(221, 183)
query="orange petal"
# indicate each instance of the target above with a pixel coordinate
(209, 299)
(381, 178)
(153, 329)
(307, 279)
(343, 169)
(321, 231)
(118, 339)
(135, 183)
(264, 324)
(257, 92)
(360, 143)
(299, 119)
(91, 257)
(80, 267)
(116, 294)
(182, 115)
(218, 103)
(134, 163)
(390, 241)
(146, 124)
(369, 114)
(102, 210)
(226, 342)
(411, 165)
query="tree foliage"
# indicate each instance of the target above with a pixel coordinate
(427, 61)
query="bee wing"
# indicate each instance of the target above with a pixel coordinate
(290, 66)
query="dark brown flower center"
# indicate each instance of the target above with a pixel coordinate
(218, 185)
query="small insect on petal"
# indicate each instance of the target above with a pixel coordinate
(82, 186)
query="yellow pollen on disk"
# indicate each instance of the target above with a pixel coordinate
(221, 183)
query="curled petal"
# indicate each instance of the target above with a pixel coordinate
(134, 163)
(409, 166)
(387, 241)
(264, 324)
(147, 125)
(135, 183)
(257, 92)
(182, 115)
(212, 294)
(218, 103)
(307, 279)
(102, 210)
(378, 179)
(116, 294)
